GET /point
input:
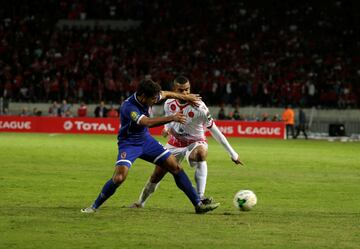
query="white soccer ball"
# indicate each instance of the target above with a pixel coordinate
(245, 200)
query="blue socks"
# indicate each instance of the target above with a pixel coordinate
(107, 191)
(181, 179)
(183, 183)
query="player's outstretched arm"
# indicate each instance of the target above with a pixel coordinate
(165, 132)
(158, 121)
(221, 139)
(193, 99)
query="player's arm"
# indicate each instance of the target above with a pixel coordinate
(221, 139)
(158, 121)
(165, 132)
(216, 133)
(193, 99)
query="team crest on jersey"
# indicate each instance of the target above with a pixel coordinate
(123, 155)
(191, 114)
(134, 116)
(173, 107)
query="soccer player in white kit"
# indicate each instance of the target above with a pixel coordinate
(187, 141)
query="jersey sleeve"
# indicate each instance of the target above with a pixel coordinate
(133, 113)
(206, 116)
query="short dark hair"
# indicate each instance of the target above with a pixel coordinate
(181, 80)
(148, 88)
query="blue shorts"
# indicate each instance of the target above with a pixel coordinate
(150, 150)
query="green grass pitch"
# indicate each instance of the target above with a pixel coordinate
(308, 196)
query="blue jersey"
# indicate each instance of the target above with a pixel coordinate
(134, 140)
(131, 111)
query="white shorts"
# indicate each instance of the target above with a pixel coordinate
(184, 152)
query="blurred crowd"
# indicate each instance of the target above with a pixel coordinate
(236, 114)
(65, 109)
(268, 53)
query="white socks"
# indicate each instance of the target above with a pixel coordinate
(146, 192)
(200, 177)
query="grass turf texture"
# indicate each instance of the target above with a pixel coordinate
(308, 196)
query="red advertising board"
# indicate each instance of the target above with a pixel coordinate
(110, 126)
(59, 125)
(252, 129)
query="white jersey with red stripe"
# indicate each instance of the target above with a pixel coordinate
(197, 120)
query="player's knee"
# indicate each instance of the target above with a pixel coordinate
(200, 155)
(154, 179)
(174, 169)
(171, 165)
(118, 178)
(177, 169)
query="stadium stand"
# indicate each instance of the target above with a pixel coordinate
(303, 53)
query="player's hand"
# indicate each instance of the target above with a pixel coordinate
(237, 161)
(179, 117)
(193, 99)
(164, 132)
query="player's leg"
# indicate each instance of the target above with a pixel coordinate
(197, 159)
(109, 188)
(183, 183)
(168, 162)
(155, 152)
(157, 175)
(150, 187)
(119, 176)
(126, 156)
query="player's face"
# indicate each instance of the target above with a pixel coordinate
(149, 101)
(182, 88)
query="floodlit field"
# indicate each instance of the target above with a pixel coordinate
(308, 196)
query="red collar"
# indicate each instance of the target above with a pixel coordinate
(181, 106)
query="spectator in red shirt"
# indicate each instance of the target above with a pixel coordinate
(82, 110)
(112, 113)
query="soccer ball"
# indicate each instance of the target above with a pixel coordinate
(245, 200)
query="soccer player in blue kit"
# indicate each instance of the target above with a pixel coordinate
(135, 141)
